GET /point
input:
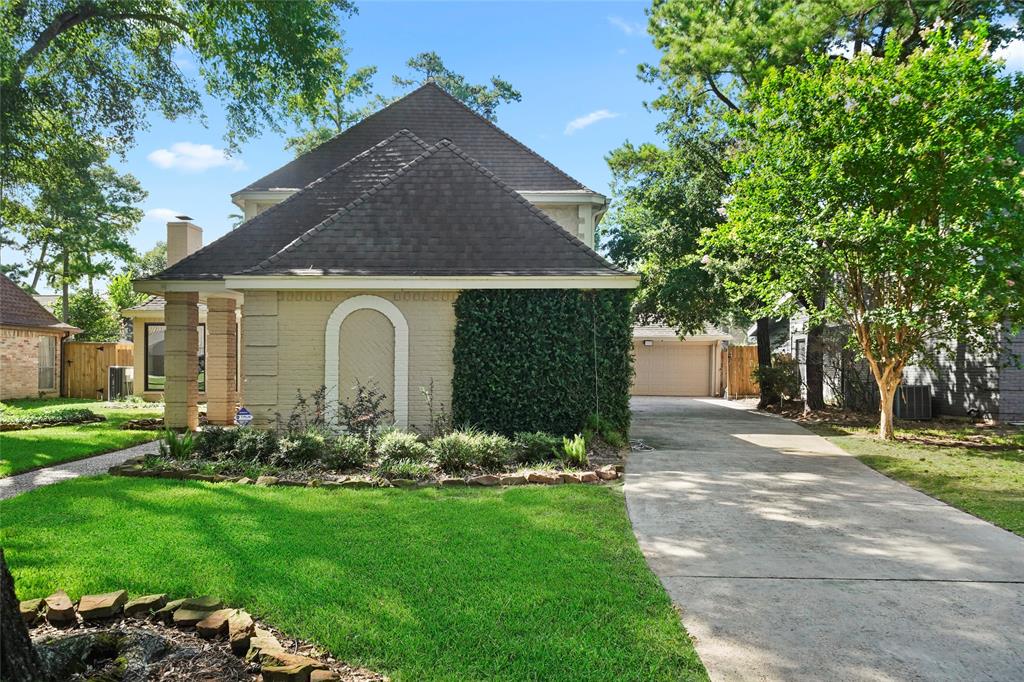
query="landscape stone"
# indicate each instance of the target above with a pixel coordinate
(244, 480)
(513, 480)
(165, 612)
(324, 676)
(59, 609)
(204, 603)
(315, 483)
(143, 606)
(287, 673)
(138, 459)
(30, 610)
(266, 480)
(607, 473)
(108, 605)
(403, 483)
(260, 642)
(356, 483)
(200, 477)
(240, 631)
(571, 478)
(280, 657)
(215, 624)
(486, 480)
(619, 468)
(589, 477)
(544, 479)
(184, 618)
(330, 485)
(285, 481)
(453, 482)
(173, 473)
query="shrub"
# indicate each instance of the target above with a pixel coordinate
(402, 468)
(53, 415)
(597, 425)
(456, 451)
(781, 379)
(303, 448)
(176, 448)
(542, 360)
(255, 445)
(494, 452)
(574, 451)
(365, 415)
(347, 452)
(396, 445)
(536, 447)
(216, 442)
(308, 413)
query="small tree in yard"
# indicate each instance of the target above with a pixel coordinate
(891, 184)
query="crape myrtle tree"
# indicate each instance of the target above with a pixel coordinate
(711, 54)
(891, 184)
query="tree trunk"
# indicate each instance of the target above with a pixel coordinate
(887, 386)
(815, 362)
(19, 661)
(764, 359)
(39, 264)
(64, 312)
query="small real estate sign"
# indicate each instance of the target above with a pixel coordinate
(243, 417)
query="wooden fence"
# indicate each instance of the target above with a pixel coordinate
(738, 363)
(86, 363)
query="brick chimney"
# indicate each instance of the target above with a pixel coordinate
(183, 238)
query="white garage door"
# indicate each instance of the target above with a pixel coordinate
(672, 368)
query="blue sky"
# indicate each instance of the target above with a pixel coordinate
(572, 61)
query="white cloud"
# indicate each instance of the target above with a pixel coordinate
(590, 119)
(630, 28)
(1013, 53)
(193, 158)
(161, 215)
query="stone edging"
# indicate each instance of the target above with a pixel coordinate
(133, 467)
(207, 615)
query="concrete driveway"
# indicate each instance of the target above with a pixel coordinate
(791, 560)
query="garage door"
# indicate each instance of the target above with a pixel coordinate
(672, 368)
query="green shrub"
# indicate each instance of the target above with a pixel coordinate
(403, 468)
(176, 448)
(255, 445)
(365, 415)
(456, 451)
(347, 452)
(216, 442)
(53, 415)
(298, 449)
(542, 360)
(574, 452)
(536, 447)
(494, 452)
(398, 445)
(781, 379)
(597, 425)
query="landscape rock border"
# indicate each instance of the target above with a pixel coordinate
(207, 618)
(134, 467)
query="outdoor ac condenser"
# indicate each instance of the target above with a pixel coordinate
(913, 402)
(120, 382)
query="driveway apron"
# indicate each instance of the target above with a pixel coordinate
(791, 560)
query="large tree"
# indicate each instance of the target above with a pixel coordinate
(892, 184)
(481, 98)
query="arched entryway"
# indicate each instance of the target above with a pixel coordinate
(360, 333)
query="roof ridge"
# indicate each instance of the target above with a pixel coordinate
(410, 167)
(287, 200)
(494, 125)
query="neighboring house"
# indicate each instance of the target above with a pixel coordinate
(666, 363)
(30, 345)
(352, 258)
(964, 381)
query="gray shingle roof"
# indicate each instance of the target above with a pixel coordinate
(433, 115)
(19, 309)
(442, 214)
(279, 225)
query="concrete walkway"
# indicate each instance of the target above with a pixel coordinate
(791, 560)
(30, 480)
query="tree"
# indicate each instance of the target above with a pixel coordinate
(893, 185)
(336, 110)
(484, 100)
(94, 315)
(151, 262)
(18, 657)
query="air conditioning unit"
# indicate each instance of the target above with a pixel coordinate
(913, 402)
(120, 382)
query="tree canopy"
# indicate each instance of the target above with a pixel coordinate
(890, 183)
(481, 98)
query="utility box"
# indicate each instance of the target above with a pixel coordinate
(913, 402)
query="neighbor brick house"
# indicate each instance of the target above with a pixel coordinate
(30, 345)
(352, 257)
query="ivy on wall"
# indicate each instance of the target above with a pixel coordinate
(542, 359)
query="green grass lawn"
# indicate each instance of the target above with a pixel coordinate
(527, 583)
(33, 448)
(979, 469)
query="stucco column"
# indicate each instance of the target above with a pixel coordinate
(181, 360)
(221, 360)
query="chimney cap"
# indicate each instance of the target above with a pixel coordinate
(183, 217)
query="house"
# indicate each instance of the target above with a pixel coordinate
(352, 259)
(669, 364)
(30, 345)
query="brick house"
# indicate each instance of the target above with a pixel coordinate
(30, 345)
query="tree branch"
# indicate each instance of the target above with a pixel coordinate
(719, 94)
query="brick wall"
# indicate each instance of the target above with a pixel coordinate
(19, 363)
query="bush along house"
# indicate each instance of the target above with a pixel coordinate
(424, 251)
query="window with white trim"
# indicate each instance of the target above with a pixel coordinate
(47, 363)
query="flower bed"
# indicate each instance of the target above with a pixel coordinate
(389, 459)
(108, 636)
(58, 416)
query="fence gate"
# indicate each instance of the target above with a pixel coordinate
(86, 364)
(739, 363)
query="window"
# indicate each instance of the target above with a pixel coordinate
(154, 360)
(47, 363)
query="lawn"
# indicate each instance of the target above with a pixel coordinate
(979, 469)
(33, 448)
(530, 583)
